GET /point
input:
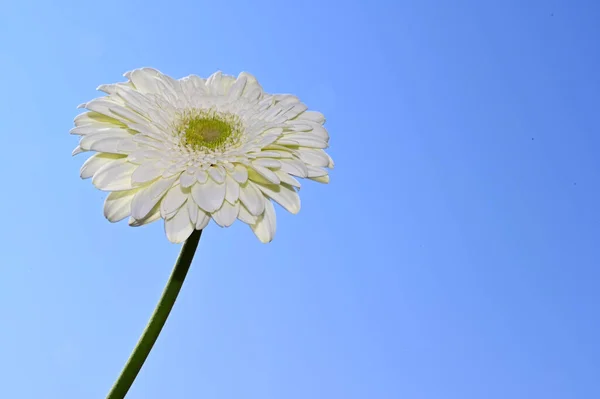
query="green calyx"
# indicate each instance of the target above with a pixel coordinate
(207, 129)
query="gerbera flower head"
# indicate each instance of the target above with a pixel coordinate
(191, 150)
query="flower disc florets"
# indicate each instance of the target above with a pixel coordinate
(202, 130)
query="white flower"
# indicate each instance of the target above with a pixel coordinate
(195, 149)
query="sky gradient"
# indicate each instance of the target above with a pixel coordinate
(454, 255)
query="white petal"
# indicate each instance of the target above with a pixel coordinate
(314, 171)
(187, 180)
(312, 135)
(172, 171)
(267, 163)
(179, 227)
(321, 179)
(245, 216)
(267, 154)
(201, 176)
(285, 152)
(266, 224)
(303, 141)
(240, 174)
(273, 131)
(331, 164)
(152, 216)
(125, 146)
(144, 155)
(227, 82)
(214, 83)
(170, 88)
(297, 109)
(95, 162)
(254, 176)
(252, 90)
(148, 197)
(271, 113)
(265, 173)
(217, 174)
(127, 115)
(96, 120)
(236, 90)
(284, 195)
(103, 142)
(115, 176)
(193, 85)
(101, 106)
(228, 167)
(320, 132)
(77, 150)
(114, 146)
(287, 178)
(145, 140)
(252, 198)
(266, 140)
(117, 205)
(253, 95)
(202, 220)
(294, 167)
(98, 128)
(194, 89)
(313, 116)
(145, 80)
(209, 196)
(315, 157)
(173, 200)
(227, 214)
(232, 191)
(219, 84)
(193, 211)
(135, 100)
(286, 99)
(147, 172)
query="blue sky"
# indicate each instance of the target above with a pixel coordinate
(454, 255)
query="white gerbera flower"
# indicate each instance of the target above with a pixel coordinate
(195, 149)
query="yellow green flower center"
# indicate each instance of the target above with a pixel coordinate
(208, 129)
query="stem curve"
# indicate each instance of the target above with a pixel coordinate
(157, 320)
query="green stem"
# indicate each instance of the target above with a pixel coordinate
(158, 319)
